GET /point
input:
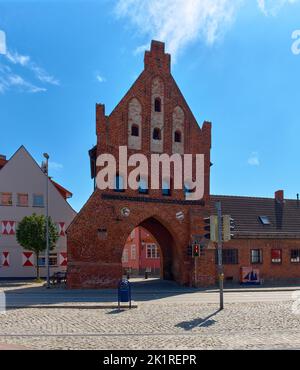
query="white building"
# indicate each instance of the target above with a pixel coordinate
(22, 193)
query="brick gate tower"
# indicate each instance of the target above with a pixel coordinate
(153, 117)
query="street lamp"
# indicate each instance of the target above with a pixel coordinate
(46, 156)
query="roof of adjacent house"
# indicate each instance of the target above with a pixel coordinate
(63, 191)
(3, 161)
(283, 217)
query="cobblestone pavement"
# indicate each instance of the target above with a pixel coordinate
(265, 325)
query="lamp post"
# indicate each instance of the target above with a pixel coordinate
(46, 156)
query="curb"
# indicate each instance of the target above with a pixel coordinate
(74, 306)
(265, 290)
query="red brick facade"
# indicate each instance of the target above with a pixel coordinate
(279, 234)
(98, 234)
(285, 270)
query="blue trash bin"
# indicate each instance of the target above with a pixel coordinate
(124, 292)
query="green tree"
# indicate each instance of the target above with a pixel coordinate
(31, 235)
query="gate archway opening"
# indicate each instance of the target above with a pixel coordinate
(149, 250)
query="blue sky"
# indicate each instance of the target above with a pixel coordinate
(232, 59)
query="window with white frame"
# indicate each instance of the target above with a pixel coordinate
(256, 256)
(125, 256)
(133, 252)
(152, 251)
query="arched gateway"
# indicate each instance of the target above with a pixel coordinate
(168, 247)
(97, 236)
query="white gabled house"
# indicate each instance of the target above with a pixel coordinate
(22, 193)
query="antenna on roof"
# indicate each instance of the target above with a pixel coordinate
(298, 200)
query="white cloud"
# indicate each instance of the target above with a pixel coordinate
(13, 61)
(25, 61)
(272, 7)
(43, 76)
(181, 22)
(253, 160)
(100, 78)
(16, 58)
(9, 81)
(141, 49)
(23, 85)
(55, 166)
(2, 42)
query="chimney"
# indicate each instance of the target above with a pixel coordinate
(279, 196)
(3, 161)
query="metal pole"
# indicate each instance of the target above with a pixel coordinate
(196, 267)
(220, 262)
(47, 223)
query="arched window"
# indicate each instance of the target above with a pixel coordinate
(157, 105)
(143, 186)
(177, 136)
(119, 183)
(166, 188)
(188, 188)
(156, 134)
(135, 131)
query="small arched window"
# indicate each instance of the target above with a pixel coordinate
(143, 186)
(188, 188)
(119, 184)
(135, 131)
(166, 188)
(157, 105)
(177, 137)
(156, 134)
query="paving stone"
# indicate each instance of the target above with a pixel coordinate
(160, 326)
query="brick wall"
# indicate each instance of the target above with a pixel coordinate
(94, 260)
(268, 270)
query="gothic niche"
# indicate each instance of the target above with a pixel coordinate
(134, 125)
(157, 115)
(178, 131)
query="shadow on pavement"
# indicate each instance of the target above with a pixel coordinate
(25, 294)
(197, 323)
(32, 294)
(117, 311)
